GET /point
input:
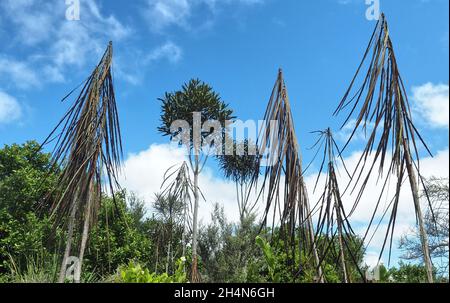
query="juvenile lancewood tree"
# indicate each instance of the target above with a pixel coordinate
(332, 220)
(169, 211)
(88, 151)
(190, 117)
(280, 183)
(380, 107)
(239, 165)
(178, 185)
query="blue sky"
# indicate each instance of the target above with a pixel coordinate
(236, 46)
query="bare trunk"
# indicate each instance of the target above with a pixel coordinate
(238, 197)
(183, 240)
(415, 194)
(341, 244)
(70, 228)
(84, 237)
(313, 241)
(195, 219)
(183, 234)
(157, 257)
(422, 231)
(168, 258)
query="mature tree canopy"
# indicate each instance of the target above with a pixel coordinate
(195, 96)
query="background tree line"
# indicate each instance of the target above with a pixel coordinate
(126, 233)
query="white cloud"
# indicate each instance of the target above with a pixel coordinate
(51, 46)
(344, 134)
(42, 25)
(144, 172)
(77, 41)
(371, 259)
(430, 167)
(113, 27)
(432, 104)
(10, 109)
(20, 73)
(33, 25)
(436, 167)
(169, 51)
(162, 14)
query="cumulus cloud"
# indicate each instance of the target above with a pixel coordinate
(143, 173)
(10, 109)
(432, 104)
(430, 167)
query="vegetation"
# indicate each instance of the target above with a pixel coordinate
(381, 101)
(134, 273)
(239, 165)
(69, 202)
(196, 102)
(88, 151)
(24, 179)
(436, 227)
(124, 249)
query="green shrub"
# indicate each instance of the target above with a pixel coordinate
(135, 273)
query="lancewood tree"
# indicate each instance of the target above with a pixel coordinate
(169, 211)
(278, 179)
(332, 220)
(379, 106)
(190, 116)
(88, 151)
(239, 165)
(178, 185)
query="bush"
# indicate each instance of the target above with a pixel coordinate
(135, 273)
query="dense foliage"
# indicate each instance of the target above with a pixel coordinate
(25, 177)
(128, 245)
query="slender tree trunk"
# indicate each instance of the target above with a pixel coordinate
(168, 258)
(84, 239)
(422, 230)
(313, 241)
(183, 241)
(157, 256)
(238, 197)
(415, 194)
(341, 244)
(70, 228)
(243, 202)
(85, 235)
(183, 233)
(195, 219)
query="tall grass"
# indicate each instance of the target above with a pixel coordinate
(40, 268)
